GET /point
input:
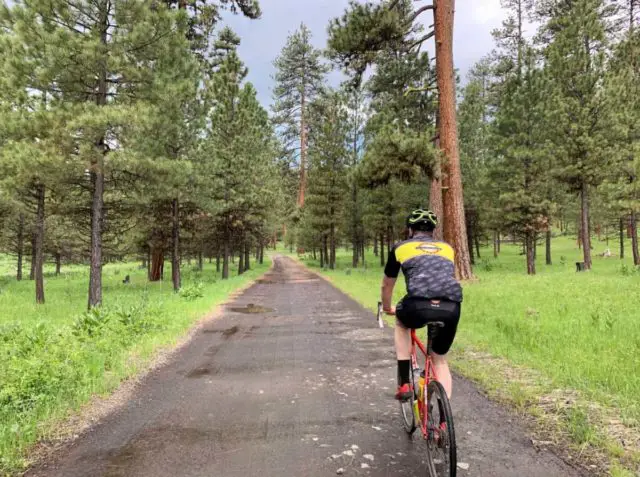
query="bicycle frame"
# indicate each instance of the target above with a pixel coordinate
(429, 374)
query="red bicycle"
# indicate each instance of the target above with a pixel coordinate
(430, 410)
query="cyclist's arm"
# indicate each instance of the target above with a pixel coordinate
(391, 271)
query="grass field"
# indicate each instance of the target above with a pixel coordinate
(55, 357)
(576, 331)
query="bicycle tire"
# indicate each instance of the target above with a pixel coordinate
(445, 447)
(406, 410)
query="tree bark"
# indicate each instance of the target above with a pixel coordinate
(58, 263)
(149, 263)
(241, 257)
(634, 238)
(303, 152)
(261, 253)
(470, 239)
(175, 235)
(247, 256)
(97, 176)
(39, 229)
(382, 262)
(495, 244)
(375, 246)
(322, 256)
(325, 244)
(499, 242)
(585, 233)
(200, 261)
(621, 238)
(97, 219)
(435, 193)
(530, 241)
(332, 246)
(20, 246)
(32, 273)
(453, 203)
(218, 259)
(225, 255)
(157, 263)
(548, 247)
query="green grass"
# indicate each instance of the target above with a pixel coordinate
(578, 331)
(55, 357)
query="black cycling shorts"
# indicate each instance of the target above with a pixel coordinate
(414, 312)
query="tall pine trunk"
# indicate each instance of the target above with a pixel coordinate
(530, 244)
(322, 256)
(435, 193)
(303, 152)
(247, 256)
(157, 263)
(175, 241)
(634, 238)
(39, 232)
(470, 239)
(453, 205)
(332, 245)
(225, 255)
(241, 260)
(382, 262)
(261, 257)
(325, 246)
(32, 273)
(495, 244)
(585, 232)
(218, 253)
(97, 177)
(20, 240)
(621, 238)
(548, 247)
(58, 263)
(200, 261)
(375, 246)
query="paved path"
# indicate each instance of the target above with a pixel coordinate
(278, 393)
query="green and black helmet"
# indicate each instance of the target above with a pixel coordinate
(422, 219)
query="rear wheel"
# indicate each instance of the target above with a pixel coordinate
(441, 437)
(406, 409)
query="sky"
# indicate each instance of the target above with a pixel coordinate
(263, 39)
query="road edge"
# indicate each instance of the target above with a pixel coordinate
(98, 408)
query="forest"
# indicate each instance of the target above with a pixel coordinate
(131, 138)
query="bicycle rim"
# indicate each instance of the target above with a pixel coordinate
(441, 438)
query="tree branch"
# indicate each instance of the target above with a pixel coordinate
(419, 12)
(422, 39)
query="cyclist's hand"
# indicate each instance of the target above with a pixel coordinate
(391, 311)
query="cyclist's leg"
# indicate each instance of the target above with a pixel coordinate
(403, 341)
(441, 345)
(402, 335)
(442, 372)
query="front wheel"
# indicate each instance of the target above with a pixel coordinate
(441, 437)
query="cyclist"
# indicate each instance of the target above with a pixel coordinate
(433, 294)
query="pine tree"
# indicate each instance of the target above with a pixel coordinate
(299, 78)
(364, 32)
(523, 163)
(623, 89)
(101, 59)
(329, 159)
(576, 62)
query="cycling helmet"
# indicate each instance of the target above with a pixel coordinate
(422, 219)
